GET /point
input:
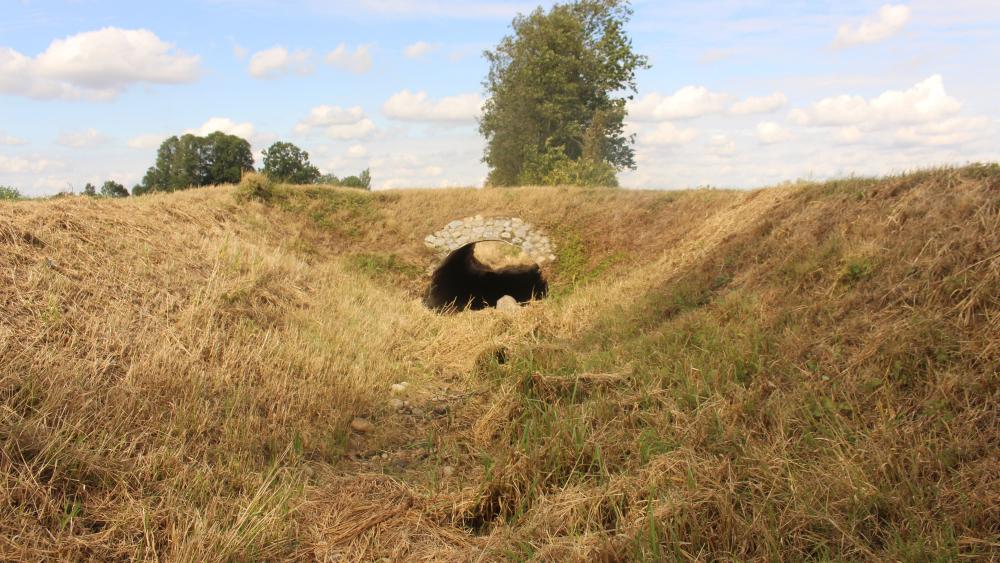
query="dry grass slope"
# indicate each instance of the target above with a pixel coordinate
(805, 372)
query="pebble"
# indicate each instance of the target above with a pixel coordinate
(396, 404)
(400, 388)
(361, 425)
(441, 410)
(418, 412)
(448, 470)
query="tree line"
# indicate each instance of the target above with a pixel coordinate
(190, 161)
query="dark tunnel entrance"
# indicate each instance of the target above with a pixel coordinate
(470, 279)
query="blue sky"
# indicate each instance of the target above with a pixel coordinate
(741, 93)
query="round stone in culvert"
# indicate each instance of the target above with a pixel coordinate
(508, 303)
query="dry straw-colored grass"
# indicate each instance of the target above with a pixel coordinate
(805, 372)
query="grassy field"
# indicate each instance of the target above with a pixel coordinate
(805, 372)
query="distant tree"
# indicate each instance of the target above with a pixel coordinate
(138, 190)
(557, 90)
(285, 162)
(8, 193)
(89, 190)
(362, 181)
(113, 189)
(328, 179)
(190, 160)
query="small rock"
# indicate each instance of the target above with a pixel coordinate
(361, 425)
(395, 404)
(399, 388)
(385, 455)
(507, 303)
(417, 412)
(448, 470)
(440, 410)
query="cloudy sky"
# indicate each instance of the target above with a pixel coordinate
(742, 93)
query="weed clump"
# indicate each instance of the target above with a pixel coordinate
(254, 187)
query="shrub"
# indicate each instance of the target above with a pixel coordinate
(113, 189)
(362, 181)
(552, 167)
(254, 186)
(10, 194)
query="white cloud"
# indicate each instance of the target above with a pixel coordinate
(358, 62)
(762, 104)
(21, 165)
(10, 140)
(81, 139)
(954, 131)
(885, 23)
(722, 145)
(337, 122)
(924, 102)
(849, 135)
(352, 131)
(325, 116)
(416, 106)
(668, 134)
(278, 61)
(686, 103)
(225, 125)
(419, 50)
(146, 141)
(96, 65)
(769, 132)
(357, 151)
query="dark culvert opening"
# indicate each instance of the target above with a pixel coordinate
(463, 281)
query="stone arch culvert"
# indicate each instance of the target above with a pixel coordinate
(462, 281)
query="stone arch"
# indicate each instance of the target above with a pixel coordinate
(512, 230)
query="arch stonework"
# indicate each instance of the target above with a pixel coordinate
(511, 230)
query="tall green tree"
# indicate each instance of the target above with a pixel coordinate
(285, 162)
(227, 158)
(89, 190)
(557, 89)
(189, 161)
